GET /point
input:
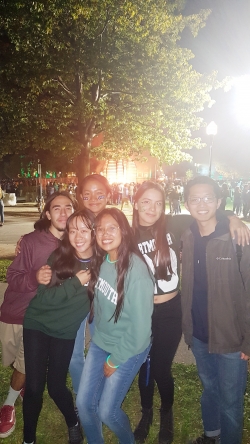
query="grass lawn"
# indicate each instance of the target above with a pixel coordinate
(4, 263)
(52, 428)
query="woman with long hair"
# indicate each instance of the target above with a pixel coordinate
(93, 192)
(51, 323)
(158, 237)
(121, 293)
(158, 246)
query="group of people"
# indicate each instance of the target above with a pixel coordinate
(90, 264)
(239, 195)
(52, 187)
(122, 193)
(241, 200)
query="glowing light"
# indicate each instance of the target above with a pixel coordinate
(242, 99)
(121, 171)
(211, 129)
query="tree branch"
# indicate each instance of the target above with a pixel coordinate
(105, 24)
(108, 91)
(65, 88)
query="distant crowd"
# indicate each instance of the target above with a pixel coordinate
(236, 193)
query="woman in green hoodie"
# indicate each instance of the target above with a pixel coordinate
(51, 323)
(121, 289)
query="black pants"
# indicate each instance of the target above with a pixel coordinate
(46, 358)
(166, 330)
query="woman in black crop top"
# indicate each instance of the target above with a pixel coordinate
(158, 248)
(157, 235)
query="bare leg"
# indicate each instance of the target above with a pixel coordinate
(17, 380)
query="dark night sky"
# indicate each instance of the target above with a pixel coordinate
(224, 46)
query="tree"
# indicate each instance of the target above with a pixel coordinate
(74, 69)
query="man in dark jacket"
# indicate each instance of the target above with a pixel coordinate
(23, 276)
(216, 312)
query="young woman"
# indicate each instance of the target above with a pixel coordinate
(160, 251)
(121, 291)
(94, 192)
(51, 323)
(158, 238)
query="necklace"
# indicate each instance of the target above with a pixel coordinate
(83, 260)
(109, 261)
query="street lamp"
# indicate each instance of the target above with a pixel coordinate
(39, 170)
(211, 131)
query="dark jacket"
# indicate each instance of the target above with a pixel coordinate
(36, 247)
(228, 294)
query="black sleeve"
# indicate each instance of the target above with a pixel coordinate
(178, 224)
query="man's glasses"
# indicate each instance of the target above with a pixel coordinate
(197, 200)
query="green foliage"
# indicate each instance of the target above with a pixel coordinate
(189, 174)
(4, 263)
(74, 69)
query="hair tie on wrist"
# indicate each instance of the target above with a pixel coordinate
(111, 366)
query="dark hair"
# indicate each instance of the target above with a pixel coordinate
(162, 260)
(65, 263)
(125, 250)
(99, 178)
(202, 180)
(44, 223)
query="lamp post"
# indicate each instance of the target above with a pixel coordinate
(211, 131)
(39, 170)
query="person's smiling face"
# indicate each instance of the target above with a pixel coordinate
(60, 209)
(108, 235)
(150, 207)
(80, 237)
(94, 196)
(202, 202)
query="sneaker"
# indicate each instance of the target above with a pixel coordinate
(75, 434)
(142, 430)
(21, 394)
(34, 442)
(7, 420)
(206, 440)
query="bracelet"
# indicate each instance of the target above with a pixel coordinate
(111, 366)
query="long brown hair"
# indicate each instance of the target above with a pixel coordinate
(124, 253)
(65, 263)
(162, 260)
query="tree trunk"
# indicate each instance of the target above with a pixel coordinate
(83, 162)
(86, 134)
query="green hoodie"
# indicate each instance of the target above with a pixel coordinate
(131, 334)
(59, 310)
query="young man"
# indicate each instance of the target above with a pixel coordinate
(216, 312)
(23, 276)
